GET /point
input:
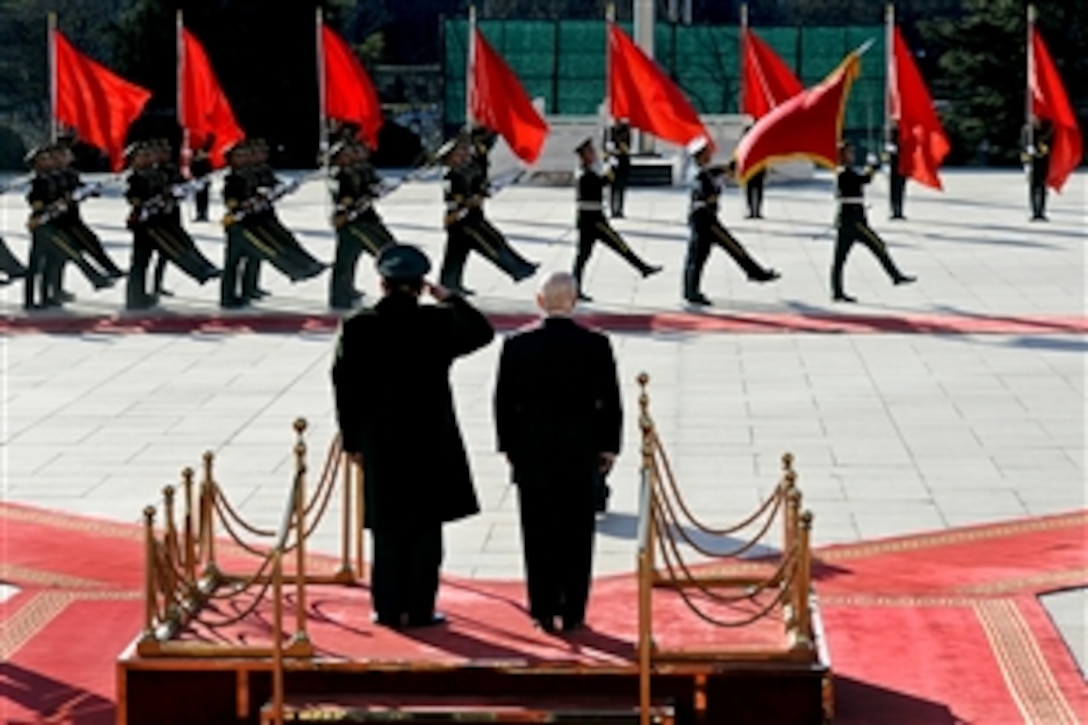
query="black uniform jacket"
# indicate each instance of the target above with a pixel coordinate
(557, 400)
(394, 404)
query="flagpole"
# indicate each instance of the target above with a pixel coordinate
(51, 24)
(184, 152)
(1031, 73)
(743, 45)
(322, 90)
(889, 69)
(609, 21)
(471, 64)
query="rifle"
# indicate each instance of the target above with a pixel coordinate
(263, 200)
(474, 202)
(62, 206)
(351, 213)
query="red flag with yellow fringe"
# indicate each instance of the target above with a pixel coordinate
(807, 126)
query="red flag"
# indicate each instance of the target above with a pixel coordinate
(641, 92)
(808, 125)
(1049, 101)
(349, 94)
(98, 104)
(767, 80)
(205, 109)
(499, 102)
(922, 141)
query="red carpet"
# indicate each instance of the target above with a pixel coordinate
(940, 628)
(706, 322)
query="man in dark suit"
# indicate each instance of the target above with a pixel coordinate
(397, 420)
(558, 419)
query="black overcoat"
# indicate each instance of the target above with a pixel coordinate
(395, 406)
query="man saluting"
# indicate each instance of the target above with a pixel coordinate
(397, 420)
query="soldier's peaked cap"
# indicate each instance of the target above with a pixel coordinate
(698, 144)
(447, 148)
(587, 143)
(34, 153)
(403, 262)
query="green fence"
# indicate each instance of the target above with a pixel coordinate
(563, 62)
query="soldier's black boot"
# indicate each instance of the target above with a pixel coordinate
(693, 276)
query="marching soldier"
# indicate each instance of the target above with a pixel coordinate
(155, 227)
(1037, 141)
(169, 177)
(358, 227)
(50, 247)
(71, 222)
(896, 181)
(592, 224)
(853, 225)
(707, 230)
(466, 227)
(617, 148)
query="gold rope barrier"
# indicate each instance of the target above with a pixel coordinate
(743, 584)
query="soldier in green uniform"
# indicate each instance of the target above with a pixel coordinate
(74, 191)
(617, 148)
(465, 189)
(50, 246)
(171, 179)
(706, 229)
(590, 181)
(155, 227)
(358, 227)
(1037, 139)
(853, 226)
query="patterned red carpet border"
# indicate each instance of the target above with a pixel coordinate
(678, 322)
(937, 628)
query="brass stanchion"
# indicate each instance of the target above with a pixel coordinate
(170, 538)
(646, 572)
(190, 543)
(149, 572)
(804, 579)
(211, 568)
(277, 637)
(300, 531)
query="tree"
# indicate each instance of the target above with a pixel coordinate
(982, 71)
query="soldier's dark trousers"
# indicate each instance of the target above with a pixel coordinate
(479, 235)
(753, 193)
(1037, 190)
(60, 249)
(898, 187)
(593, 227)
(89, 242)
(705, 233)
(558, 568)
(201, 197)
(175, 245)
(36, 289)
(853, 227)
(244, 251)
(619, 185)
(9, 265)
(352, 240)
(136, 296)
(404, 577)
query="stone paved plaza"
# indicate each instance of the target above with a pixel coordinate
(894, 431)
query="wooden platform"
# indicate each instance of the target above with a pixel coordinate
(487, 650)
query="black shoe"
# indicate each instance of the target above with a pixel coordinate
(1040, 218)
(357, 295)
(651, 269)
(462, 291)
(897, 217)
(583, 297)
(428, 620)
(698, 299)
(526, 272)
(767, 275)
(200, 219)
(66, 296)
(163, 292)
(258, 294)
(573, 625)
(843, 297)
(751, 216)
(390, 622)
(235, 304)
(904, 279)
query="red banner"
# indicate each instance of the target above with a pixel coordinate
(349, 94)
(1049, 101)
(768, 82)
(205, 110)
(499, 102)
(98, 104)
(922, 141)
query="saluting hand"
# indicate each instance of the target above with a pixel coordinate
(437, 291)
(606, 461)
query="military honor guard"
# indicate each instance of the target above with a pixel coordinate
(707, 230)
(617, 147)
(398, 422)
(853, 225)
(753, 189)
(358, 226)
(51, 247)
(897, 183)
(590, 181)
(152, 195)
(75, 191)
(1038, 137)
(558, 420)
(467, 230)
